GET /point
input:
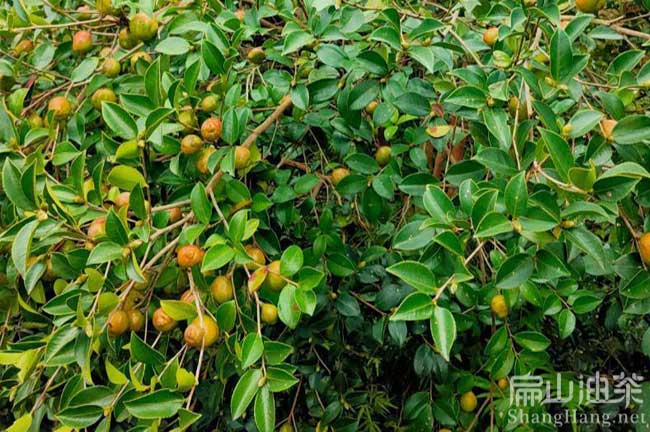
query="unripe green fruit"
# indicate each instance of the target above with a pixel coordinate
(104, 7)
(111, 67)
(35, 121)
(382, 156)
(143, 27)
(188, 119)
(126, 39)
(256, 55)
(102, 95)
(209, 103)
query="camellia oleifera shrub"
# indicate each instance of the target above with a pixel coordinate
(320, 215)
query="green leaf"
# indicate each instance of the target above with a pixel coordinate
(265, 410)
(252, 349)
(437, 204)
(492, 225)
(216, 257)
(291, 261)
(213, 58)
(533, 341)
(179, 310)
(22, 424)
(156, 405)
(173, 46)
(584, 121)
(514, 271)
(559, 151)
(496, 122)
(561, 55)
(288, 308)
(126, 177)
(104, 252)
(415, 307)
(516, 195)
(632, 129)
(201, 206)
(119, 120)
(415, 274)
(296, 40)
(443, 330)
(22, 245)
(244, 392)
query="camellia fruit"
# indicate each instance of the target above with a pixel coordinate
(97, 228)
(644, 248)
(163, 322)
(274, 279)
(187, 118)
(189, 255)
(203, 159)
(371, 107)
(143, 27)
(221, 289)
(191, 144)
(517, 108)
(61, 107)
(201, 333)
(209, 103)
(104, 7)
(24, 46)
(242, 156)
(269, 313)
(502, 383)
(607, 128)
(286, 427)
(339, 174)
(126, 39)
(140, 55)
(82, 42)
(256, 55)
(468, 401)
(118, 322)
(499, 306)
(102, 95)
(136, 320)
(122, 199)
(590, 6)
(211, 129)
(175, 214)
(35, 120)
(111, 67)
(188, 296)
(84, 12)
(256, 255)
(382, 155)
(490, 36)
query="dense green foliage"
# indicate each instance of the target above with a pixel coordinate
(333, 215)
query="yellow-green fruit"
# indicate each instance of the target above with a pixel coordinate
(24, 46)
(274, 280)
(490, 36)
(111, 67)
(515, 106)
(644, 248)
(242, 156)
(499, 306)
(256, 55)
(60, 107)
(140, 55)
(221, 289)
(371, 107)
(444, 430)
(502, 383)
(201, 333)
(382, 155)
(118, 322)
(339, 174)
(209, 103)
(136, 320)
(468, 401)
(143, 27)
(126, 40)
(256, 255)
(102, 95)
(203, 159)
(104, 7)
(589, 6)
(163, 322)
(188, 119)
(82, 42)
(269, 313)
(35, 120)
(191, 144)
(607, 128)
(286, 427)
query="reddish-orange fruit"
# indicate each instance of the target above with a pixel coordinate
(163, 322)
(61, 107)
(118, 322)
(191, 144)
(82, 42)
(188, 296)
(122, 200)
(201, 333)
(211, 129)
(490, 36)
(97, 228)
(189, 255)
(175, 214)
